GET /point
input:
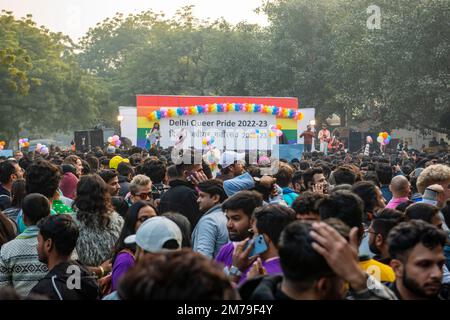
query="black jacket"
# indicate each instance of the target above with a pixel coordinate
(5, 198)
(124, 186)
(181, 198)
(56, 284)
(263, 288)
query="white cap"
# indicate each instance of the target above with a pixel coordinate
(229, 157)
(154, 232)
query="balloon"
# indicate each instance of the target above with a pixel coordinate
(279, 126)
(1, 147)
(212, 140)
(380, 139)
(204, 141)
(115, 137)
(38, 146)
(271, 134)
(369, 139)
(118, 143)
(279, 133)
(110, 139)
(25, 140)
(384, 135)
(44, 150)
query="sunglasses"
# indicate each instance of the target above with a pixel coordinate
(144, 195)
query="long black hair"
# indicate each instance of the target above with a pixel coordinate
(129, 227)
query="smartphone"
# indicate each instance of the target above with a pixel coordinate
(260, 246)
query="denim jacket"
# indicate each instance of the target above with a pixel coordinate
(210, 233)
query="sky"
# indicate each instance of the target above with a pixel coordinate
(75, 17)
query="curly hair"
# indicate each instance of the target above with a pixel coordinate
(307, 202)
(433, 174)
(93, 201)
(42, 177)
(176, 275)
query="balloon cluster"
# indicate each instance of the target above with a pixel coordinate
(170, 112)
(114, 141)
(23, 143)
(2, 145)
(275, 131)
(208, 141)
(42, 149)
(384, 138)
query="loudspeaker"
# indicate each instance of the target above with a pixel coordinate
(96, 138)
(82, 140)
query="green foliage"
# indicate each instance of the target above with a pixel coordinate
(42, 87)
(319, 51)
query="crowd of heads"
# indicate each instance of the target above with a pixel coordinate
(147, 225)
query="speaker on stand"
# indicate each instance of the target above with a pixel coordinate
(82, 140)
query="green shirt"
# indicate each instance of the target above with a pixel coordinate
(59, 207)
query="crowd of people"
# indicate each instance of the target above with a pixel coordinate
(136, 225)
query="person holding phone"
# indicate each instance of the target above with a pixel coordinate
(238, 209)
(259, 256)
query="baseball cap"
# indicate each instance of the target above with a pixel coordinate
(114, 162)
(154, 232)
(229, 157)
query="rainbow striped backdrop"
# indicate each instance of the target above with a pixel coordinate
(147, 104)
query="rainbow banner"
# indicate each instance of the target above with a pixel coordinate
(153, 108)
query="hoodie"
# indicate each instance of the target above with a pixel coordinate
(289, 196)
(56, 285)
(263, 288)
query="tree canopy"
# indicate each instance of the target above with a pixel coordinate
(319, 51)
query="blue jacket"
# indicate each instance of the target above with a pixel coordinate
(211, 232)
(243, 182)
(289, 196)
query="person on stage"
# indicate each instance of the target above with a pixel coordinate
(153, 137)
(324, 138)
(308, 136)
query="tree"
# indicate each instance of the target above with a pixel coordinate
(42, 87)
